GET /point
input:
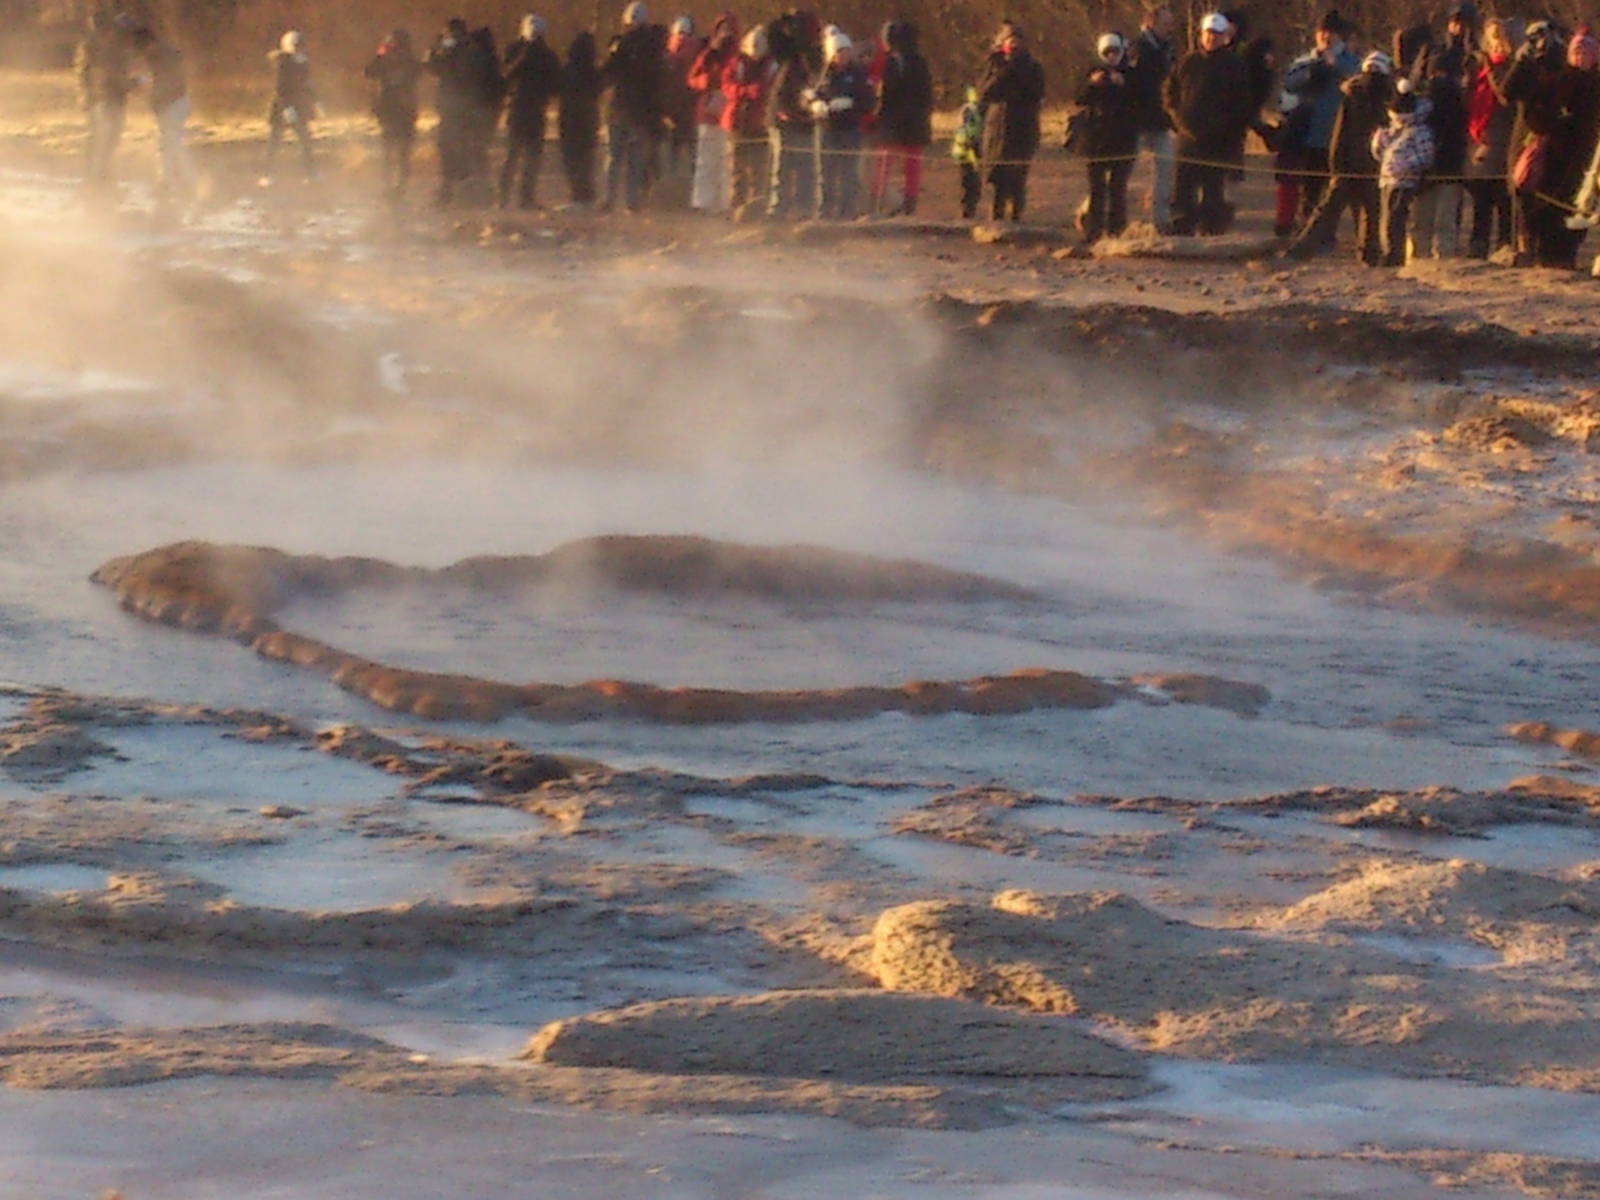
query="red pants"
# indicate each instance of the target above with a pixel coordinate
(911, 159)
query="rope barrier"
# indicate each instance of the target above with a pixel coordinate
(1235, 165)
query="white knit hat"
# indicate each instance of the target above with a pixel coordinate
(290, 42)
(834, 43)
(1215, 22)
(1110, 41)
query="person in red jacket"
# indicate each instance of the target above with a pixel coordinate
(709, 192)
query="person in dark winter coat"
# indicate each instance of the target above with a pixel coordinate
(453, 61)
(841, 103)
(679, 101)
(1567, 116)
(579, 120)
(1011, 94)
(105, 78)
(1149, 62)
(1111, 139)
(793, 43)
(905, 116)
(294, 101)
(1364, 110)
(532, 80)
(632, 71)
(1488, 142)
(1208, 98)
(488, 94)
(396, 72)
(1529, 84)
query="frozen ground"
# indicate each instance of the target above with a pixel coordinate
(188, 874)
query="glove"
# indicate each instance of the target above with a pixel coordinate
(819, 108)
(841, 104)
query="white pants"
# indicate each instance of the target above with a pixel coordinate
(178, 176)
(1436, 222)
(105, 132)
(710, 193)
(1163, 170)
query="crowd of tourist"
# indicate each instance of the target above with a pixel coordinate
(1488, 126)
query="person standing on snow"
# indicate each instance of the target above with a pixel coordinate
(1364, 110)
(965, 148)
(1312, 88)
(679, 100)
(294, 102)
(745, 85)
(532, 80)
(1404, 150)
(396, 72)
(841, 99)
(579, 119)
(905, 116)
(1011, 94)
(169, 104)
(451, 62)
(791, 127)
(709, 190)
(104, 80)
(1149, 62)
(632, 70)
(1208, 98)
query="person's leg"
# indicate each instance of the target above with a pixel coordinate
(1019, 191)
(533, 157)
(1315, 185)
(1163, 173)
(1424, 220)
(913, 187)
(508, 172)
(881, 165)
(850, 160)
(775, 205)
(1213, 200)
(1321, 230)
(1185, 200)
(1000, 182)
(1447, 228)
(1096, 176)
(971, 191)
(1117, 207)
(1482, 218)
(1369, 221)
(642, 149)
(616, 161)
(709, 191)
(308, 161)
(1500, 194)
(274, 142)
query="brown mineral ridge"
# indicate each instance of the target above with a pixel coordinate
(1575, 741)
(1525, 917)
(1225, 994)
(232, 591)
(861, 1035)
(150, 908)
(321, 1053)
